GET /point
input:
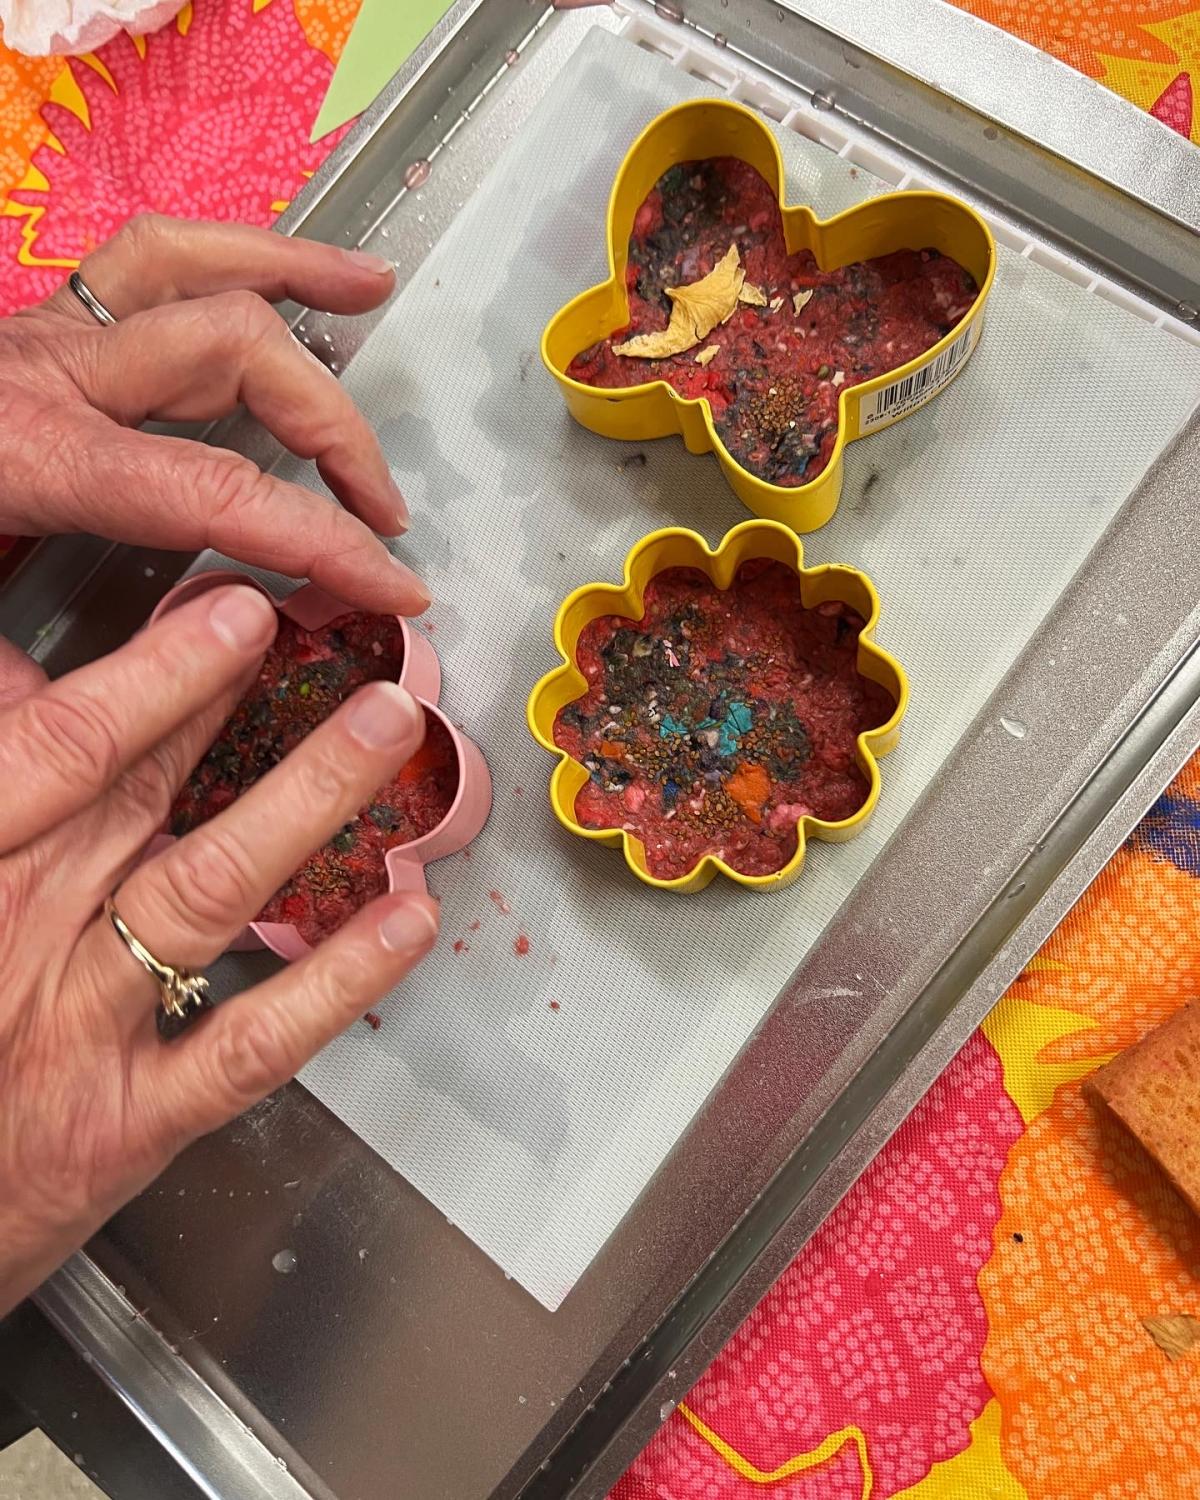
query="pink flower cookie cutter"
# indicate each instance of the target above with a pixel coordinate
(420, 674)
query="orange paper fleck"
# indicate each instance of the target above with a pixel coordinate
(750, 786)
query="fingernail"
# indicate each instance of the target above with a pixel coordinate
(374, 263)
(424, 597)
(402, 515)
(413, 925)
(242, 618)
(383, 716)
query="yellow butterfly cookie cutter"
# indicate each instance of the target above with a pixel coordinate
(705, 128)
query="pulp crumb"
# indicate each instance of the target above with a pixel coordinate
(521, 946)
(372, 1020)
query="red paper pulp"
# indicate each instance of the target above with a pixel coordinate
(775, 382)
(718, 720)
(304, 677)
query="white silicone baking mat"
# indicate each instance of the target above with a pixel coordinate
(533, 1128)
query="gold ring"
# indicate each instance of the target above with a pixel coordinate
(181, 993)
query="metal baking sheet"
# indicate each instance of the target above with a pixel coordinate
(535, 1129)
(419, 1368)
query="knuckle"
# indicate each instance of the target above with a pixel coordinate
(229, 484)
(342, 986)
(73, 738)
(206, 882)
(341, 535)
(326, 781)
(142, 231)
(145, 791)
(250, 1059)
(244, 318)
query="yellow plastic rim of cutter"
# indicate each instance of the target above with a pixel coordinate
(675, 547)
(705, 128)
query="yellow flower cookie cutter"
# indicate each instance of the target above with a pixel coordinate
(675, 547)
(705, 128)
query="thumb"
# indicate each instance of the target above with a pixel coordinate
(20, 675)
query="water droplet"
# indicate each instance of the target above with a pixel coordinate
(720, 40)
(285, 1261)
(149, 573)
(822, 100)
(1015, 890)
(665, 1410)
(416, 174)
(521, 1400)
(544, 1465)
(1015, 727)
(1188, 312)
(420, 218)
(512, 57)
(666, 11)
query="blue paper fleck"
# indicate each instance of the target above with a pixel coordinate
(672, 726)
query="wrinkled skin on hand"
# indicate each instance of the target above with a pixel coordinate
(92, 1104)
(194, 338)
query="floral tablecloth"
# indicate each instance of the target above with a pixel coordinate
(970, 1323)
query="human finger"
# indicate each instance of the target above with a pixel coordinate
(190, 901)
(257, 1041)
(154, 259)
(198, 360)
(20, 675)
(138, 804)
(62, 746)
(176, 493)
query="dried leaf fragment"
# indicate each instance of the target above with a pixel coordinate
(752, 295)
(706, 356)
(775, 304)
(1175, 1334)
(801, 300)
(695, 312)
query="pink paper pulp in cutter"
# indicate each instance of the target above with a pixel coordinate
(421, 675)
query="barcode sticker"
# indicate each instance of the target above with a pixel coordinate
(891, 402)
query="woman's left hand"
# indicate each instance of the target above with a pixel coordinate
(195, 336)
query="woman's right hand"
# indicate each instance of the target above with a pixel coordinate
(92, 1104)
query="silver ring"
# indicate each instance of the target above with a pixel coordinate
(89, 299)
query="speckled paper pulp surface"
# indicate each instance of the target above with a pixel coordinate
(533, 1129)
